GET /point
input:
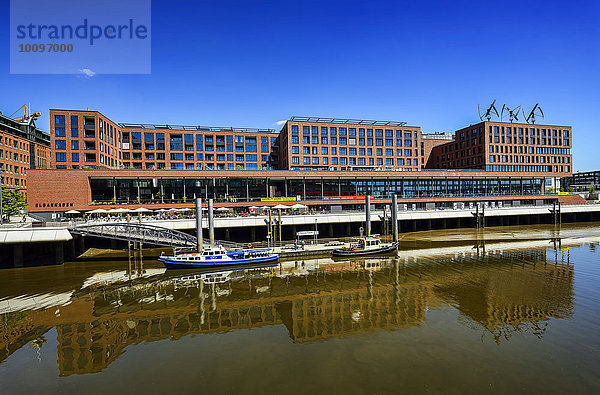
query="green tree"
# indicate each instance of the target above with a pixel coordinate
(13, 201)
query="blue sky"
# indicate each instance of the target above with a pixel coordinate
(253, 63)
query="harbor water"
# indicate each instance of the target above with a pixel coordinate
(488, 312)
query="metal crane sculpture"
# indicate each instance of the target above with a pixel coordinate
(488, 113)
(536, 112)
(513, 115)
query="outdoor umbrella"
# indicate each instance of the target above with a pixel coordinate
(299, 206)
(72, 212)
(98, 211)
(222, 209)
(141, 210)
(281, 207)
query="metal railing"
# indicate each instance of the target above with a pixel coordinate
(145, 234)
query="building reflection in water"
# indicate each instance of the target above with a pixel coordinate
(500, 291)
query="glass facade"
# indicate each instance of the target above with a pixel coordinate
(155, 190)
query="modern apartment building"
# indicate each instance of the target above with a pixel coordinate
(22, 147)
(88, 139)
(311, 143)
(507, 147)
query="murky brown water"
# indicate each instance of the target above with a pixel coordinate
(496, 317)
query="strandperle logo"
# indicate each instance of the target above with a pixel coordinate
(80, 37)
(84, 31)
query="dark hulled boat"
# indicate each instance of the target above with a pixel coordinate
(366, 246)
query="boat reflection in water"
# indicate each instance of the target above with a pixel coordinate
(102, 312)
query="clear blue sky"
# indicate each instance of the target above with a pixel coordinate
(253, 63)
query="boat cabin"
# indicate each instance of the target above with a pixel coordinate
(209, 252)
(365, 243)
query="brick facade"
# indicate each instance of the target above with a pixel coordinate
(22, 147)
(89, 139)
(349, 145)
(511, 147)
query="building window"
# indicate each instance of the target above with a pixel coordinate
(176, 142)
(295, 160)
(295, 149)
(59, 131)
(75, 157)
(61, 156)
(199, 143)
(74, 144)
(60, 144)
(264, 144)
(59, 119)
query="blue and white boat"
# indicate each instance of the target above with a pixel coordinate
(213, 256)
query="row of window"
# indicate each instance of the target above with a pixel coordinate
(15, 157)
(352, 132)
(13, 169)
(353, 151)
(528, 168)
(379, 142)
(529, 159)
(360, 161)
(191, 157)
(213, 166)
(12, 182)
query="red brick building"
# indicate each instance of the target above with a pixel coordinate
(60, 190)
(507, 147)
(88, 139)
(22, 147)
(311, 143)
